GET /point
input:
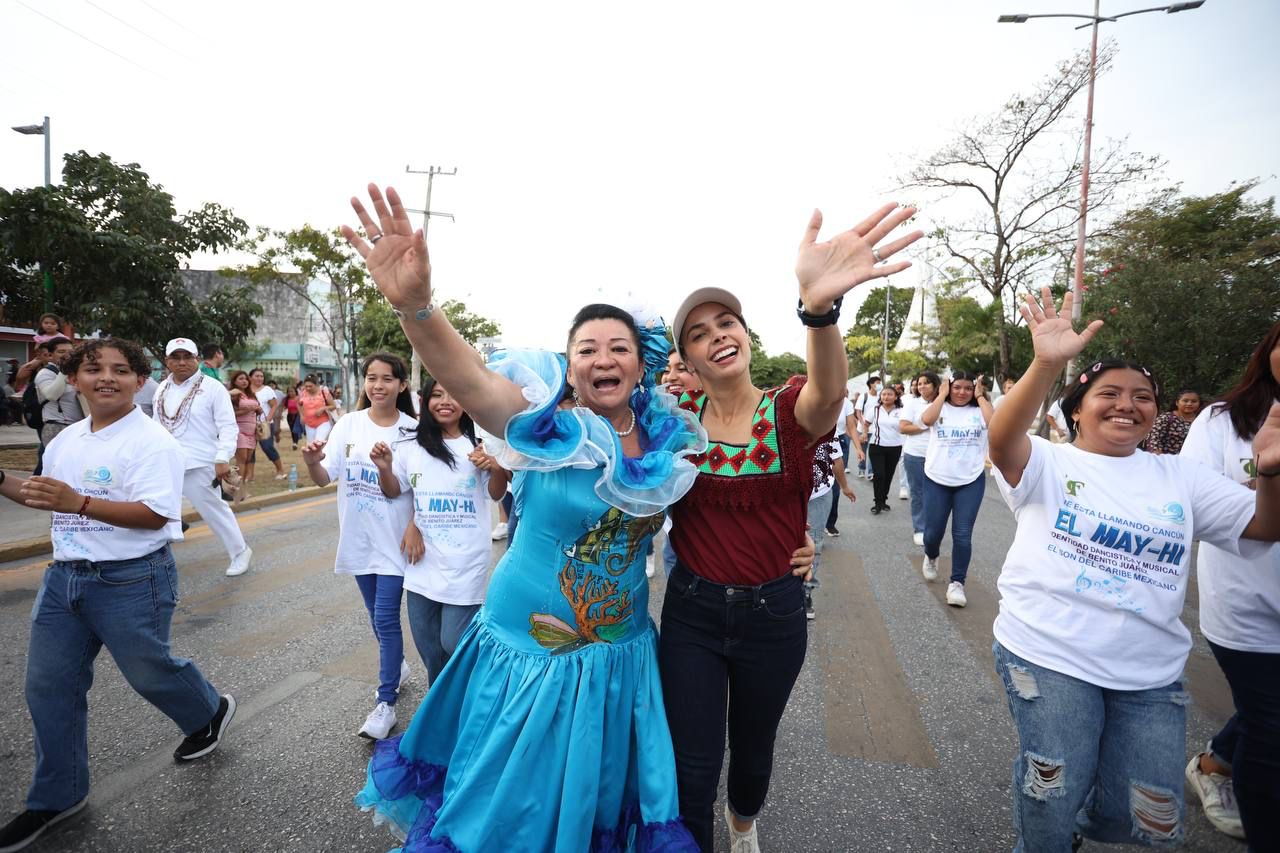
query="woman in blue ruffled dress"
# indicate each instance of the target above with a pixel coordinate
(545, 730)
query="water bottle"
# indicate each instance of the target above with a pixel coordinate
(293, 478)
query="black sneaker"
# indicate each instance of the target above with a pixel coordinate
(831, 531)
(808, 605)
(28, 826)
(885, 507)
(206, 740)
(875, 509)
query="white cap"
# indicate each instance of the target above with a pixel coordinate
(701, 296)
(181, 344)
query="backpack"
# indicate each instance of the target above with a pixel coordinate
(31, 406)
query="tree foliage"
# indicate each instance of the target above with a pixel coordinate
(1188, 286)
(114, 243)
(1021, 169)
(864, 342)
(378, 329)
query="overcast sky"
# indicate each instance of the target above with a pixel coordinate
(603, 152)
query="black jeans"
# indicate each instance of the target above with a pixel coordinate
(727, 654)
(885, 462)
(1250, 741)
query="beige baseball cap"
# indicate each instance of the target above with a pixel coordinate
(181, 344)
(701, 296)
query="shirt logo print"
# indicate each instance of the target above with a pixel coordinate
(1073, 487)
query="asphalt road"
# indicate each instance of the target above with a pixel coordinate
(897, 737)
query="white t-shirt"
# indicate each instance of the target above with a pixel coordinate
(451, 509)
(842, 425)
(867, 403)
(1055, 412)
(957, 451)
(832, 448)
(1239, 598)
(885, 428)
(1094, 582)
(266, 399)
(918, 444)
(370, 525)
(134, 459)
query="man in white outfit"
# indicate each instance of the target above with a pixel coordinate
(197, 411)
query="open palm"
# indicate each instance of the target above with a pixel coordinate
(395, 253)
(828, 270)
(1053, 337)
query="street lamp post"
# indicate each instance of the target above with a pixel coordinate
(43, 130)
(1077, 277)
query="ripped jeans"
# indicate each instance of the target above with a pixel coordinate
(1104, 763)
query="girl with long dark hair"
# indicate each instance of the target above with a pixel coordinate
(370, 524)
(954, 475)
(884, 443)
(1240, 618)
(447, 545)
(915, 447)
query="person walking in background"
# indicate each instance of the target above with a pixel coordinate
(828, 472)
(212, 359)
(845, 436)
(268, 421)
(114, 491)
(293, 414)
(864, 409)
(60, 402)
(904, 483)
(915, 446)
(447, 550)
(885, 446)
(1170, 429)
(954, 475)
(316, 409)
(197, 411)
(247, 409)
(1235, 775)
(145, 398)
(372, 526)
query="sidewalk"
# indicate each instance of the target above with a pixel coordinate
(17, 435)
(24, 532)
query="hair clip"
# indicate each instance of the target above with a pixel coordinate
(1097, 365)
(1084, 377)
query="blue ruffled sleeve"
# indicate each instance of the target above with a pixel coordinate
(545, 437)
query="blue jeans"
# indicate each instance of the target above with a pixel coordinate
(818, 510)
(268, 446)
(436, 628)
(668, 555)
(127, 606)
(913, 467)
(1104, 763)
(961, 504)
(381, 595)
(1250, 741)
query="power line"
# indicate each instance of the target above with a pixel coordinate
(132, 27)
(86, 38)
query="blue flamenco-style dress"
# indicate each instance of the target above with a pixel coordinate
(546, 730)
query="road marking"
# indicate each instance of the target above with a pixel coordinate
(872, 713)
(153, 764)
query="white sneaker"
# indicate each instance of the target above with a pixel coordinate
(917, 538)
(903, 494)
(1218, 797)
(405, 672)
(929, 568)
(499, 531)
(955, 594)
(240, 562)
(741, 842)
(649, 569)
(379, 723)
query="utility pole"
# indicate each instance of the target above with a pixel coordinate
(415, 377)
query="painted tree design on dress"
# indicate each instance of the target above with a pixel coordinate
(598, 607)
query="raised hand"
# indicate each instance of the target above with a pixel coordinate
(1266, 444)
(395, 253)
(1052, 336)
(380, 455)
(314, 452)
(827, 271)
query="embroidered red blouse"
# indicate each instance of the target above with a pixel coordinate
(746, 512)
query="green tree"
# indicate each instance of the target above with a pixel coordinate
(378, 329)
(864, 342)
(324, 271)
(114, 244)
(1188, 285)
(1021, 172)
(770, 371)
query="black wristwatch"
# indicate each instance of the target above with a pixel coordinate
(819, 321)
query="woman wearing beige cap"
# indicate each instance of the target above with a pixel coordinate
(733, 623)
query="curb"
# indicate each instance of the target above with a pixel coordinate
(21, 549)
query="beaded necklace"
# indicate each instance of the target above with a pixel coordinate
(172, 424)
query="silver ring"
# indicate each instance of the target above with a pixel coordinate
(875, 253)
(375, 238)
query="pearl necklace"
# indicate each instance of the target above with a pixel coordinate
(177, 422)
(630, 429)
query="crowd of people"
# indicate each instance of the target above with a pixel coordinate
(552, 670)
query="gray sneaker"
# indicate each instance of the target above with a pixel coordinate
(1217, 797)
